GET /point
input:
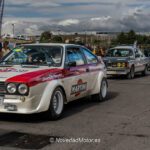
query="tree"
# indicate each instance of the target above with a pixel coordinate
(122, 38)
(57, 39)
(46, 37)
(126, 38)
(132, 37)
(97, 42)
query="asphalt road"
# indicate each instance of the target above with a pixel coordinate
(121, 123)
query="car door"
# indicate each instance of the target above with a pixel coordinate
(137, 61)
(143, 61)
(94, 67)
(76, 81)
(140, 61)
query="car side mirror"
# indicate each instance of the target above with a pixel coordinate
(72, 64)
(137, 55)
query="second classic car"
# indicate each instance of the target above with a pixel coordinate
(126, 60)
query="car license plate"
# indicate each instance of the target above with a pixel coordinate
(1, 100)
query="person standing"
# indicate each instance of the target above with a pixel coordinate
(5, 49)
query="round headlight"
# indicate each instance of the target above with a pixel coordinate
(119, 64)
(22, 88)
(123, 64)
(11, 88)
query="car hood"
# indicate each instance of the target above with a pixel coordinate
(27, 75)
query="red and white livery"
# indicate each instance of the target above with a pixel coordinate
(43, 77)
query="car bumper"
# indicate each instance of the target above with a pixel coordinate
(19, 105)
(116, 71)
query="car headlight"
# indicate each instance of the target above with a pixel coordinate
(22, 89)
(11, 88)
(119, 65)
(123, 65)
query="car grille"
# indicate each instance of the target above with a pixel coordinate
(2, 88)
(112, 65)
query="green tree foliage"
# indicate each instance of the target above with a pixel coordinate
(97, 42)
(57, 39)
(45, 37)
(122, 38)
(130, 38)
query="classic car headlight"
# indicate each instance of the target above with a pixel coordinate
(118, 64)
(11, 88)
(22, 89)
(122, 65)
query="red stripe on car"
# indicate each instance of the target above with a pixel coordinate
(33, 78)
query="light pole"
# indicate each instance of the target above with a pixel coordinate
(2, 4)
(13, 29)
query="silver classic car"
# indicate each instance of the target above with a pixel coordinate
(126, 60)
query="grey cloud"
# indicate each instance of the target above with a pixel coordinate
(77, 16)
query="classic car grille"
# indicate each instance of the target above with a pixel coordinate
(2, 88)
(112, 64)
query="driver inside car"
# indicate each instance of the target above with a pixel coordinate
(36, 58)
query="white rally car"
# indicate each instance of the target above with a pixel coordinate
(43, 77)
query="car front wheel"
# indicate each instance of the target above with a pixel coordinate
(101, 96)
(56, 105)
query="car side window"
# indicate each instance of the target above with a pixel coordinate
(75, 55)
(91, 59)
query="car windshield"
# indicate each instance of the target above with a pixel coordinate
(119, 53)
(34, 55)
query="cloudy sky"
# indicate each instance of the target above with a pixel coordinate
(35, 16)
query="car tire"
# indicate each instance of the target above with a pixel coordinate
(101, 96)
(131, 74)
(144, 73)
(56, 105)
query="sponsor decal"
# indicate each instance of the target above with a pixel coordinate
(12, 70)
(78, 88)
(51, 77)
